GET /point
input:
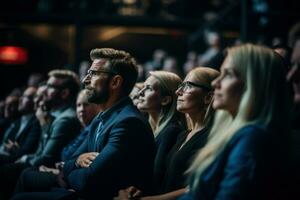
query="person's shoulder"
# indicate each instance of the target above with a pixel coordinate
(68, 113)
(250, 136)
(130, 111)
(251, 130)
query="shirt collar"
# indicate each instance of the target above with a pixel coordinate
(107, 113)
(57, 112)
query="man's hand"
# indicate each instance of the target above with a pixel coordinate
(22, 159)
(43, 168)
(11, 146)
(86, 159)
(129, 193)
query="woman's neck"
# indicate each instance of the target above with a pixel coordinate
(154, 117)
(197, 121)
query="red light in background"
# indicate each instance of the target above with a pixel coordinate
(13, 55)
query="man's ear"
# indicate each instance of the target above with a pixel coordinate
(166, 100)
(208, 97)
(116, 82)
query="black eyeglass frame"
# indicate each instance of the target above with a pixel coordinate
(91, 72)
(183, 85)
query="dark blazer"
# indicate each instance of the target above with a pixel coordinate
(27, 139)
(250, 167)
(165, 140)
(126, 154)
(63, 129)
(180, 158)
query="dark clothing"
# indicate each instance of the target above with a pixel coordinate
(32, 180)
(126, 147)
(4, 124)
(179, 160)
(9, 174)
(165, 140)
(69, 150)
(63, 129)
(55, 136)
(249, 167)
(27, 136)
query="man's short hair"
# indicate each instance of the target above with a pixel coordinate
(121, 63)
(70, 81)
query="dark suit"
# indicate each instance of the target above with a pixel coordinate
(63, 129)
(55, 136)
(165, 140)
(126, 154)
(27, 138)
(249, 167)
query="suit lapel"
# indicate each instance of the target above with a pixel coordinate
(102, 138)
(27, 126)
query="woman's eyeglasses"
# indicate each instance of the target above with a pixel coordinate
(187, 85)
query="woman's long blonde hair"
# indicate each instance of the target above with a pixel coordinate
(168, 84)
(265, 100)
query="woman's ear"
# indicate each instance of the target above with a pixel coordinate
(208, 97)
(116, 82)
(166, 100)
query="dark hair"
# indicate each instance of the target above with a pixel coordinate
(70, 81)
(121, 63)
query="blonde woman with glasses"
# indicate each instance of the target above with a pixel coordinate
(194, 100)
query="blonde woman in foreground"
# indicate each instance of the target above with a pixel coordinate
(245, 154)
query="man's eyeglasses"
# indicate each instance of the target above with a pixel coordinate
(92, 73)
(186, 86)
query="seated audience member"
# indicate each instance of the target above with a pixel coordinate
(11, 114)
(245, 155)
(194, 99)
(59, 125)
(213, 55)
(43, 178)
(23, 137)
(35, 79)
(171, 65)
(119, 150)
(293, 77)
(134, 94)
(158, 99)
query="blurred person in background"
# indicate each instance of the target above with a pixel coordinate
(42, 178)
(23, 137)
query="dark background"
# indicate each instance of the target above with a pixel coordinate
(60, 34)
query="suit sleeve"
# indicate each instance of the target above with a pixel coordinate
(31, 141)
(115, 154)
(241, 167)
(69, 165)
(61, 133)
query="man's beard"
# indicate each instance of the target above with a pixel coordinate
(96, 97)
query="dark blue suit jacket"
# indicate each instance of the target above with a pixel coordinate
(126, 154)
(27, 139)
(250, 167)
